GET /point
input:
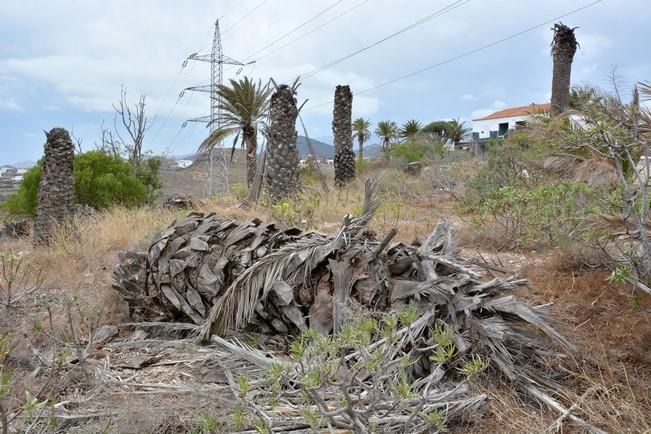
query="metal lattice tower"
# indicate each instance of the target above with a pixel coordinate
(217, 60)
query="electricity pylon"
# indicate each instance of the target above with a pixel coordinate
(217, 60)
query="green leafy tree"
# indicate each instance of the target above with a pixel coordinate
(387, 131)
(410, 129)
(101, 180)
(361, 131)
(437, 127)
(148, 172)
(245, 108)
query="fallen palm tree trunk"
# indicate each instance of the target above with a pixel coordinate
(410, 321)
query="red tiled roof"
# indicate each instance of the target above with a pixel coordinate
(518, 111)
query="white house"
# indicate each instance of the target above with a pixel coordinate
(8, 171)
(499, 123)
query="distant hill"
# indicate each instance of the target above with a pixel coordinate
(21, 164)
(322, 149)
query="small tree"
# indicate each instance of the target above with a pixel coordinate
(410, 129)
(361, 131)
(100, 180)
(621, 132)
(387, 131)
(245, 109)
(134, 123)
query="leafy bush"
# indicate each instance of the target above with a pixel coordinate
(148, 172)
(101, 180)
(543, 215)
(417, 150)
(498, 173)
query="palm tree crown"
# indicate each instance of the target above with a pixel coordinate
(410, 129)
(244, 107)
(456, 131)
(387, 131)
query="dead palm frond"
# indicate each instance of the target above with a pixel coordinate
(291, 263)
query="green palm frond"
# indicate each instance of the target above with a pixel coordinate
(215, 138)
(361, 129)
(456, 130)
(243, 102)
(387, 129)
(409, 129)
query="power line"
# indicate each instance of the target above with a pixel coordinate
(438, 13)
(313, 30)
(244, 17)
(467, 53)
(160, 106)
(294, 29)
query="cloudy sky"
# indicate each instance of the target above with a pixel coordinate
(62, 63)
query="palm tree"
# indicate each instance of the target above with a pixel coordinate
(564, 46)
(387, 131)
(361, 130)
(456, 131)
(282, 171)
(244, 108)
(410, 129)
(342, 131)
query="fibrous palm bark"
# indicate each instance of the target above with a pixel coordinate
(564, 47)
(249, 137)
(342, 131)
(56, 191)
(282, 171)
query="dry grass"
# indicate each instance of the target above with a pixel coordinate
(611, 324)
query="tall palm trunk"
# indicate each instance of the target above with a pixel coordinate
(360, 140)
(250, 141)
(56, 191)
(282, 173)
(563, 49)
(343, 135)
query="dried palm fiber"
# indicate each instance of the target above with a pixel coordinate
(56, 190)
(342, 132)
(224, 275)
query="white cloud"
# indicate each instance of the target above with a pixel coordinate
(495, 106)
(593, 44)
(10, 105)
(80, 66)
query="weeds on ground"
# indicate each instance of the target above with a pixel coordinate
(18, 278)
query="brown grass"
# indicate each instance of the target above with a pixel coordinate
(610, 323)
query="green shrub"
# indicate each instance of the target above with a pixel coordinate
(417, 150)
(499, 172)
(543, 215)
(309, 172)
(101, 180)
(148, 172)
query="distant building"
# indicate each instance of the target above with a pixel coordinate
(498, 124)
(8, 171)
